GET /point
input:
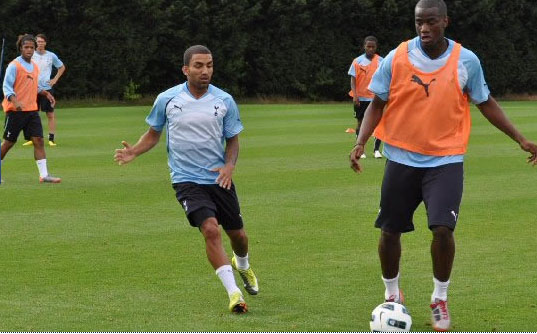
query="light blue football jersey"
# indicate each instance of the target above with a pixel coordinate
(471, 80)
(196, 130)
(45, 62)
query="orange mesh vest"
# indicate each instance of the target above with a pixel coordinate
(25, 88)
(426, 113)
(363, 77)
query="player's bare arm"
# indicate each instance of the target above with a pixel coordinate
(354, 93)
(146, 142)
(231, 155)
(495, 115)
(54, 80)
(372, 117)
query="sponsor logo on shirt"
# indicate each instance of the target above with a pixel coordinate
(425, 86)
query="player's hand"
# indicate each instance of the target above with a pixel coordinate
(124, 155)
(356, 101)
(354, 157)
(224, 175)
(530, 147)
(52, 82)
(51, 99)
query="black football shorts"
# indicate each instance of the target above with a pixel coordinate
(202, 201)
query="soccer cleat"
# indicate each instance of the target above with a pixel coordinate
(397, 299)
(363, 156)
(248, 277)
(237, 304)
(440, 316)
(51, 143)
(28, 143)
(377, 154)
(49, 179)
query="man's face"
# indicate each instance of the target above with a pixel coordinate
(200, 70)
(41, 43)
(430, 25)
(27, 49)
(370, 48)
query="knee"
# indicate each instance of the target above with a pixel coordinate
(210, 229)
(38, 142)
(442, 233)
(389, 237)
(6, 144)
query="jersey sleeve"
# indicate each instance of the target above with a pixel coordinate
(56, 62)
(232, 120)
(9, 80)
(157, 117)
(476, 86)
(380, 83)
(352, 69)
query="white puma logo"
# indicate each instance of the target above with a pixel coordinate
(454, 215)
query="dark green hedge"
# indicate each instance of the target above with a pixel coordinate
(296, 49)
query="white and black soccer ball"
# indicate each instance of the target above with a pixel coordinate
(390, 317)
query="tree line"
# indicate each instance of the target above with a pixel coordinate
(262, 48)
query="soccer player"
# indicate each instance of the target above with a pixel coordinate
(426, 85)
(361, 71)
(199, 118)
(20, 96)
(45, 60)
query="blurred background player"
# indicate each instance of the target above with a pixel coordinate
(361, 72)
(199, 118)
(45, 60)
(20, 105)
(426, 85)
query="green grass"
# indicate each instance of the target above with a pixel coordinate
(109, 249)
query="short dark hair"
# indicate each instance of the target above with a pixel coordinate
(371, 39)
(25, 38)
(42, 36)
(440, 4)
(195, 49)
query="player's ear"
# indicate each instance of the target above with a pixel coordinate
(185, 70)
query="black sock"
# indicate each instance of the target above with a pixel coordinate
(50, 137)
(377, 144)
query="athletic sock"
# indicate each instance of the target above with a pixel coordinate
(440, 290)
(242, 262)
(50, 137)
(392, 287)
(42, 166)
(225, 273)
(377, 144)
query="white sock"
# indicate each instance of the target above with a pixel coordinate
(42, 166)
(392, 287)
(242, 262)
(225, 273)
(440, 290)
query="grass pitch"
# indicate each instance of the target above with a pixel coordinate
(109, 249)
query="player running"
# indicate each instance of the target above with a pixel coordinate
(199, 118)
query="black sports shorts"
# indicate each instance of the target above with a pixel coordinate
(359, 111)
(404, 188)
(202, 201)
(27, 121)
(43, 103)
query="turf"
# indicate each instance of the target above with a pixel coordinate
(109, 249)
